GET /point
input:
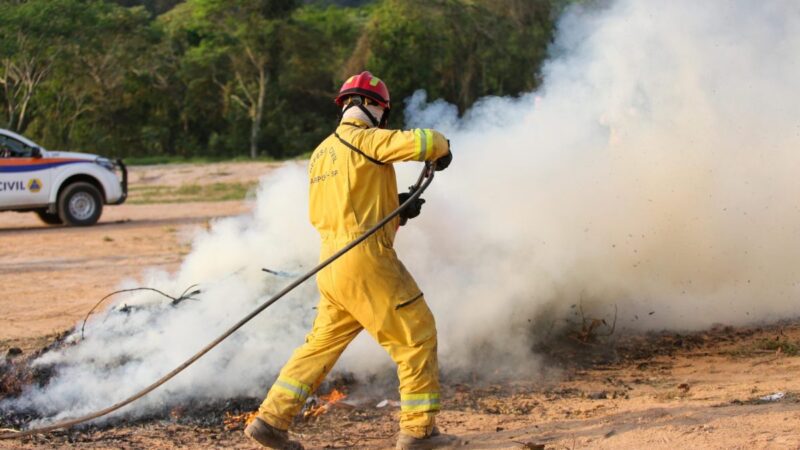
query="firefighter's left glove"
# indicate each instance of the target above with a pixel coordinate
(442, 163)
(412, 210)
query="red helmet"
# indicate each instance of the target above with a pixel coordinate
(367, 85)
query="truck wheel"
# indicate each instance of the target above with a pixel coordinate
(80, 204)
(49, 218)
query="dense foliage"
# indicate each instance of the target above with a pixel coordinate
(224, 78)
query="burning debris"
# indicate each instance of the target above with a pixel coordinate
(234, 421)
(318, 405)
(314, 408)
(18, 373)
(17, 376)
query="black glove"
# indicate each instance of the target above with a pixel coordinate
(412, 210)
(444, 161)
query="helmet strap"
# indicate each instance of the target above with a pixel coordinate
(384, 118)
(357, 101)
(375, 122)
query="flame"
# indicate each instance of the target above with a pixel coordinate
(324, 404)
(238, 421)
(177, 412)
(334, 397)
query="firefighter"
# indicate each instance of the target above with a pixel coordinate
(352, 186)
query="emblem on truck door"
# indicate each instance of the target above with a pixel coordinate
(34, 185)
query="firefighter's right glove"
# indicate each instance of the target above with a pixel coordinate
(412, 210)
(445, 160)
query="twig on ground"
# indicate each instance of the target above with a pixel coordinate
(175, 300)
(590, 325)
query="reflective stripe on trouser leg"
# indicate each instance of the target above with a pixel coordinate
(284, 400)
(292, 387)
(334, 328)
(419, 402)
(418, 413)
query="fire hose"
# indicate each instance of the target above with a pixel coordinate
(423, 181)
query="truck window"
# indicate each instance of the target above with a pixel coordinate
(12, 148)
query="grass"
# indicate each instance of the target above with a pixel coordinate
(765, 346)
(786, 347)
(215, 192)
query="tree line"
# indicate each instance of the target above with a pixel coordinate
(228, 78)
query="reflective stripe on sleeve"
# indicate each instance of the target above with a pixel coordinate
(423, 138)
(292, 387)
(419, 402)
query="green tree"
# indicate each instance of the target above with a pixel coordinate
(304, 111)
(238, 43)
(27, 55)
(89, 92)
(65, 59)
(455, 49)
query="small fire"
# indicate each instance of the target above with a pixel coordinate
(334, 397)
(177, 412)
(238, 421)
(324, 403)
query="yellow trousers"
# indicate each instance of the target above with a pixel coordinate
(367, 288)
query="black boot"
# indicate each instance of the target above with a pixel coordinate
(432, 441)
(270, 437)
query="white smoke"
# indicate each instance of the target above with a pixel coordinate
(655, 170)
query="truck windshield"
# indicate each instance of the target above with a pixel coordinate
(12, 148)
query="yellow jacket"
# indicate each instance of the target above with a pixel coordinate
(353, 189)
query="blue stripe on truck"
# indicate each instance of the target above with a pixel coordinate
(36, 167)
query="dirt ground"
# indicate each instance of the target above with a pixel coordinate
(702, 390)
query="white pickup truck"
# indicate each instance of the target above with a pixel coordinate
(61, 187)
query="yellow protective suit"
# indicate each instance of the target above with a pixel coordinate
(367, 288)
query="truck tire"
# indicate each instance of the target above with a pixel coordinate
(49, 218)
(80, 204)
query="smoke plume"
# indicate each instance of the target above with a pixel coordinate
(655, 170)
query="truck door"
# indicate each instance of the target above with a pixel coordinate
(24, 176)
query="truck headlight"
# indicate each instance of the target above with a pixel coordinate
(105, 163)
